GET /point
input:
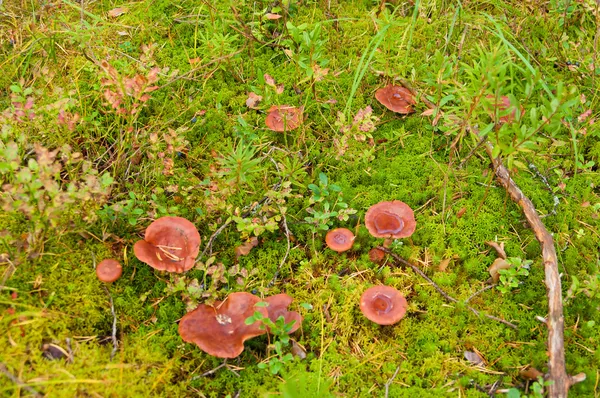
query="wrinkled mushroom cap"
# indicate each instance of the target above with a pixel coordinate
(277, 307)
(170, 244)
(393, 219)
(284, 117)
(109, 270)
(383, 305)
(396, 98)
(339, 239)
(221, 330)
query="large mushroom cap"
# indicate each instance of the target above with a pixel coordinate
(393, 219)
(383, 305)
(109, 270)
(278, 305)
(221, 330)
(170, 244)
(284, 117)
(396, 98)
(339, 239)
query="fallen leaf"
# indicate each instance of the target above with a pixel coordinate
(195, 60)
(498, 247)
(245, 247)
(474, 358)
(298, 350)
(52, 351)
(253, 100)
(273, 16)
(279, 88)
(444, 264)
(530, 374)
(269, 80)
(496, 266)
(428, 112)
(117, 12)
(461, 212)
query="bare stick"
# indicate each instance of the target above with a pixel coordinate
(555, 321)
(488, 287)
(17, 381)
(440, 291)
(555, 199)
(389, 382)
(114, 325)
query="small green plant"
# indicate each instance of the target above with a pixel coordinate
(536, 390)
(509, 278)
(239, 164)
(327, 204)
(281, 339)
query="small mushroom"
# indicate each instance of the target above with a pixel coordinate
(170, 244)
(339, 239)
(221, 330)
(109, 270)
(284, 117)
(383, 305)
(376, 255)
(393, 219)
(396, 98)
(278, 306)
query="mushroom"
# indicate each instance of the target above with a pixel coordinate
(284, 117)
(170, 244)
(277, 307)
(393, 219)
(396, 98)
(109, 270)
(383, 305)
(220, 330)
(339, 239)
(376, 255)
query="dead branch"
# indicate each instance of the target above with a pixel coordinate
(555, 321)
(441, 291)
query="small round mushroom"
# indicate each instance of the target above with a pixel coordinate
(170, 244)
(339, 239)
(393, 219)
(396, 98)
(376, 255)
(278, 306)
(220, 330)
(109, 270)
(383, 305)
(284, 117)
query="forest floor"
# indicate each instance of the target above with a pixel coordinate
(115, 114)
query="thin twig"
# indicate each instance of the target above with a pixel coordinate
(389, 382)
(214, 370)
(114, 325)
(488, 287)
(555, 199)
(440, 291)
(17, 381)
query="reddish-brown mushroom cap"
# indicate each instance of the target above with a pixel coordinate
(277, 307)
(170, 244)
(284, 117)
(109, 270)
(221, 330)
(339, 239)
(396, 98)
(383, 305)
(376, 255)
(393, 219)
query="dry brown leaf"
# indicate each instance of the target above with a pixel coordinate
(269, 80)
(253, 100)
(428, 112)
(496, 266)
(461, 212)
(245, 247)
(530, 374)
(272, 16)
(298, 350)
(474, 358)
(444, 264)
(498, 247)
(279, 88)
(117, 12)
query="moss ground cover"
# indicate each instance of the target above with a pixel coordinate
(115, 114)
